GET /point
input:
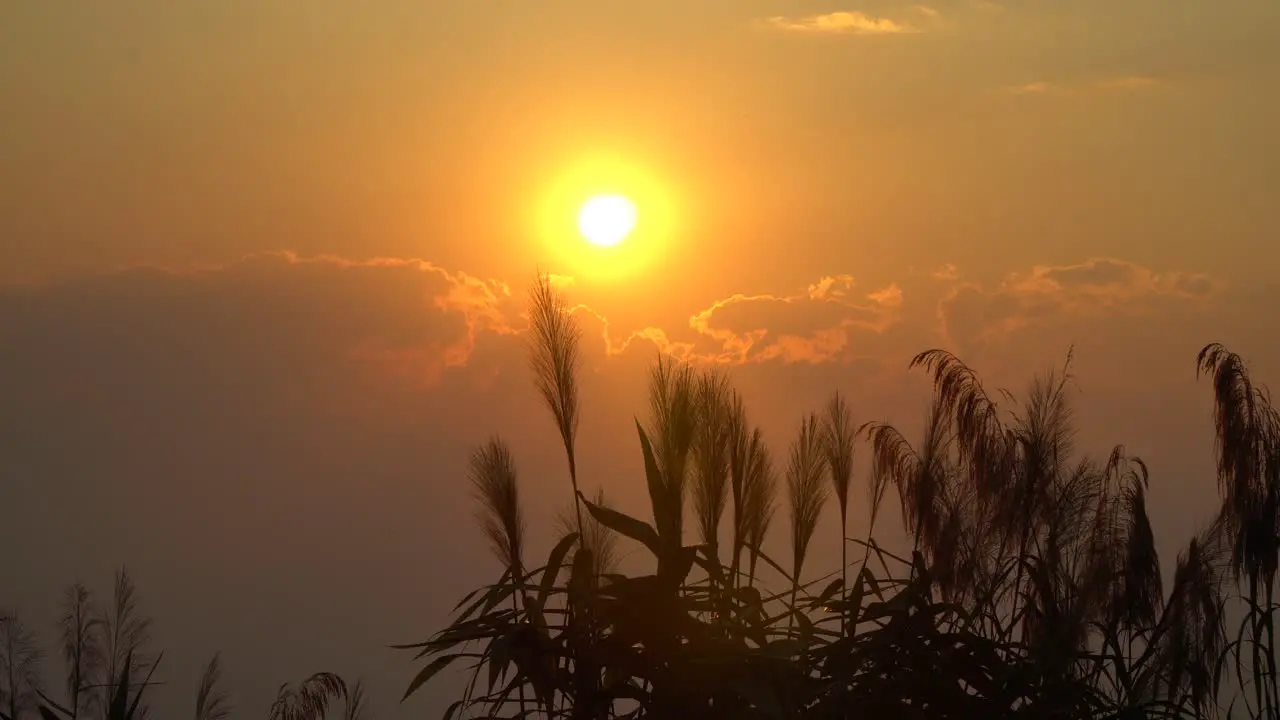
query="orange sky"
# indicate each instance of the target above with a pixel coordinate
(338, 207)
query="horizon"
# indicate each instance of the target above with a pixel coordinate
(264, 273)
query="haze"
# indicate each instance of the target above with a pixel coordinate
(264, 265)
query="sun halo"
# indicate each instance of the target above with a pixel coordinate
(560, 209)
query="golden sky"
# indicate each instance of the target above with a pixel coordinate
(264, 261)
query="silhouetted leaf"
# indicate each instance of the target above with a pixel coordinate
(498, 657)
(652, 476)
(137, 698)
(871, 582)
(467, 598)
(674, 565)
(451, 710)
(710, 564)
(554, 562)
(582, 577)
(637, 530)
(468, 632)
(119, 708)
(497, 597)
(829, 592)
(428, 672)
(770, 562)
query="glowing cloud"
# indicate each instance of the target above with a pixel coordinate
(843, 23)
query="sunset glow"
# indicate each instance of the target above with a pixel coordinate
(321, 317)
(605, 219)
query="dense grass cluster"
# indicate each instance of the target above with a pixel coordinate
(1030, 585)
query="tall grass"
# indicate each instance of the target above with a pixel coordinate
(108, 669)
(1030, 586)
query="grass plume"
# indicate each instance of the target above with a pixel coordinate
(806, 492)
(309, 699)
(496, 490)
(597, 538)
(212, 701)
(19, 667)
(555, 358)
(712, 451)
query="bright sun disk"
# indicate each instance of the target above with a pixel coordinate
(606, 220)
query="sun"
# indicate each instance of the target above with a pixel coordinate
(606, 220)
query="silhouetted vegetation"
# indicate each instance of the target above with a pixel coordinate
(107, 666)
(1030, 585)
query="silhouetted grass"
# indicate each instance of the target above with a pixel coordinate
(1031, 587)
(108, 669)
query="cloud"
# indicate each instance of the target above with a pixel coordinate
(1030, 88)
(1125, 83)
(813, 326)
(971, 313)
(561, 281)
(846, 22)
(408, 323)
(401, 323)
(945, 272)
(259, 319)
